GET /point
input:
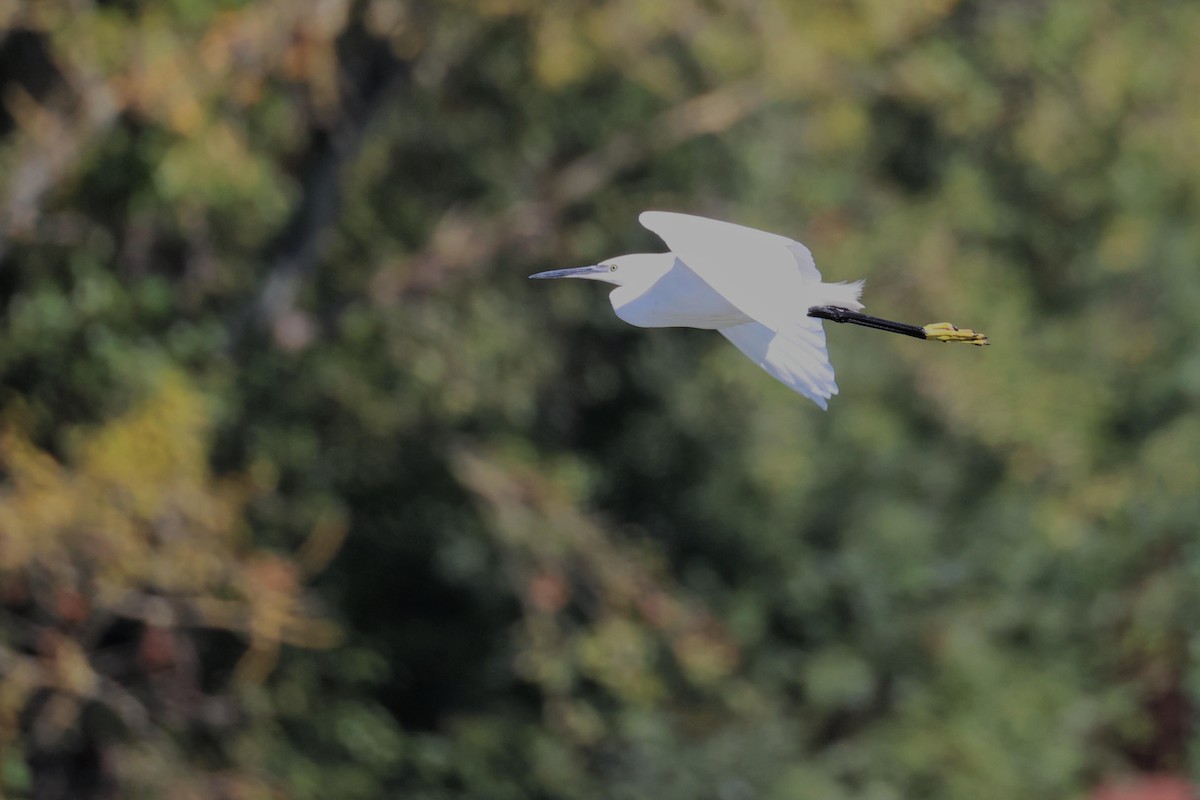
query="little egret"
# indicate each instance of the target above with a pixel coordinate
(760, 290)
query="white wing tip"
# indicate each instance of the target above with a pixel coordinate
(821, 395)
(647, 218)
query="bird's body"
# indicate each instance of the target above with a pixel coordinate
(678, 298)
(756, 288)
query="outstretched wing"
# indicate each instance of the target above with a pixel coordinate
(798, 358)
(768, 277)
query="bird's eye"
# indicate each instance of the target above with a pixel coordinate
(612, 267)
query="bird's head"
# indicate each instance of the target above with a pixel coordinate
(639, 268)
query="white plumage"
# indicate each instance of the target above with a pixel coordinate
(756, 288)
(773, 281)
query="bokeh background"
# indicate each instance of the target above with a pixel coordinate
(308, 493)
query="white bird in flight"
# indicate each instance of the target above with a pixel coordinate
(760, 290)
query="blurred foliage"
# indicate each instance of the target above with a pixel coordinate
(307, 493)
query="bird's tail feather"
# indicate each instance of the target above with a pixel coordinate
(845, 294)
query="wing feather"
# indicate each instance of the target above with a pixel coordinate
(771, 279)
(798, 359)
(768, 277)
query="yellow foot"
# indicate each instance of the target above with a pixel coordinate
(945, 332)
